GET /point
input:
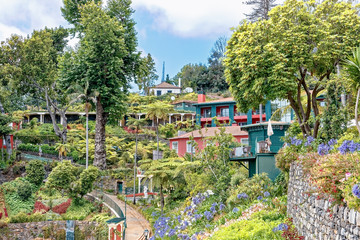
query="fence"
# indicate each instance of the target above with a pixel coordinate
(109, 202)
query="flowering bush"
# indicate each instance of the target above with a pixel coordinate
(61, 208)
(249, 189)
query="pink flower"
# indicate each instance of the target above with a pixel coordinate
(347, 175)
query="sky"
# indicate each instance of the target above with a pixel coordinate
(176, 32)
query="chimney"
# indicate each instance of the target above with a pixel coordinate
(201, 97)
(179, 82)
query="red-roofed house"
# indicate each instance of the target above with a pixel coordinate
(164, 88)
(182, 144)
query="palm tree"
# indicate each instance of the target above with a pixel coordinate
(158, 110)
(353, 69)
(136, 124)
(63, 149)
(163, 173)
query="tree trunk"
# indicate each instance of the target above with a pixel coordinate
(100, 148)
(7, 137)
(162, 200)
(136, 145)
(62, 134)
(87, 134)
(356, 111)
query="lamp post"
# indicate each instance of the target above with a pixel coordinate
(146, 234)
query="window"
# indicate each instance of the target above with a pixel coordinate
(175, 147)
(169, 91)
(242, 123)
(158, 93)
(245, 141)
(206, 113)
(323, 104)
(224, 112)
(189, 147)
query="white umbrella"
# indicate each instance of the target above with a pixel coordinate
(269, 129)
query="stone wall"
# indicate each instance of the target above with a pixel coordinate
(48, 229)
(315, 218)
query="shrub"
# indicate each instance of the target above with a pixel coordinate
(62, 208)
(252, 187)
(24, 190)
(40, 207)
(23, 217)
(285, 157)
(248, 229)
(35, 172)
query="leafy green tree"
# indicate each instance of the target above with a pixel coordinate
(189, 74)
(85, 182)
(35, 172)
(353, 69)
(105, 59)
(71, 11)
(146, 76)
(294, 52)
(157, 111)
(62, 176)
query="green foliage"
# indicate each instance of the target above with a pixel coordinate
(5, 129)
(168, 130)
(253, 187)
(285, 157)
(35, 172)
(24, 190)
(79, 210)
(272, 59)
(259, 227)
(75, 181)
(16, 204)
(23, 217)
(62, 176)
(335, 117)
(146, 76)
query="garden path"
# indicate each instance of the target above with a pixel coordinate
(136, 223)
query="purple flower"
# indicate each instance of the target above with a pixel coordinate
(266, 194)
(235, 210)
(208, 215)
(323, 149)
(309, 140)
(259, 198)
(172, 232)
(295, 141)
(214, 204)
(197, 216)
(221, 206)
(242, 195)
(332, 142)
(207, 225)
(349, 146)
(281, 227)
(356, 190)
(212, 209)
(154, 214)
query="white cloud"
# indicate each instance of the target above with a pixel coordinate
(195, 18)
(23, 16)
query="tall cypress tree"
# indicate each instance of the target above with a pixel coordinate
(261, 9)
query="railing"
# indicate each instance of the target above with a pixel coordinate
(109, 202)
(241, 152)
